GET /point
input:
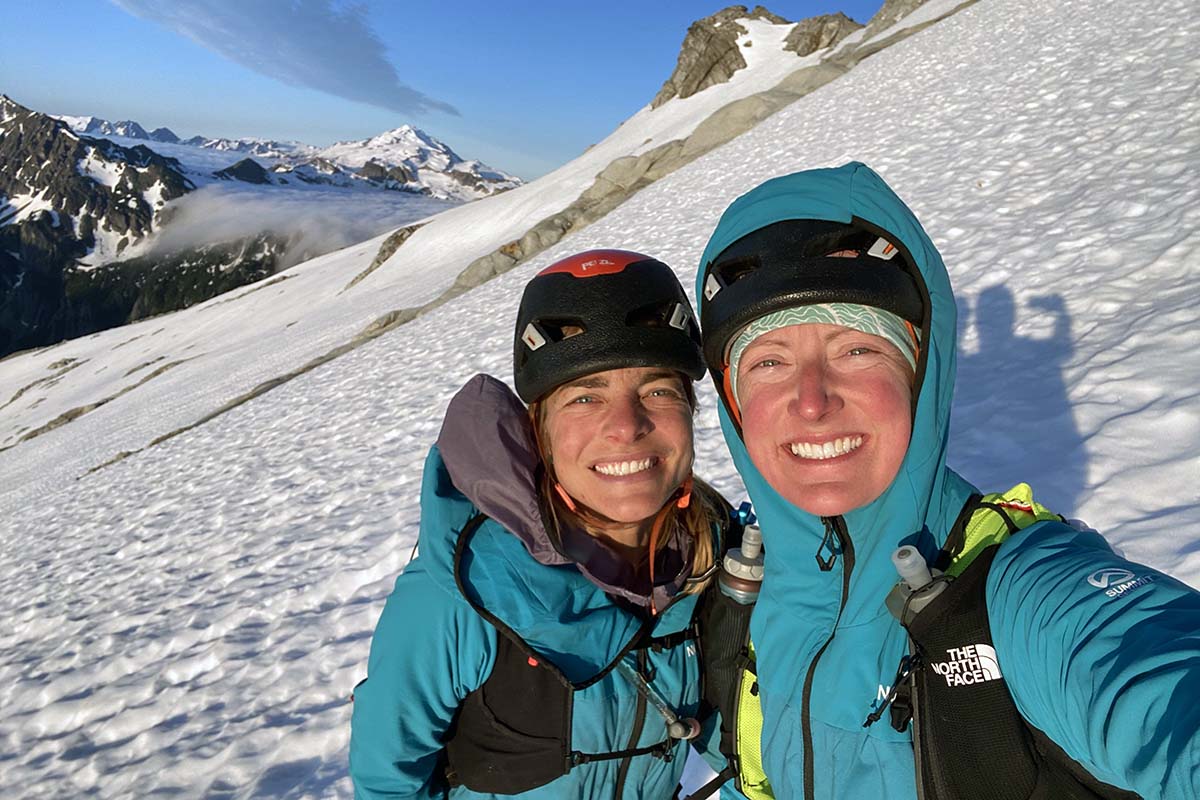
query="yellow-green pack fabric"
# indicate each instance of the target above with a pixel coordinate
(986, 526)
(752, 781)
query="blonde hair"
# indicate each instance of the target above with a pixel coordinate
(696, 520)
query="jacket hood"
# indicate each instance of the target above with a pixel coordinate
(488, 449)
(925, 497)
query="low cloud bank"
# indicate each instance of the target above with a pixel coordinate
(313, 222)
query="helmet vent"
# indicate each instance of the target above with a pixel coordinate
(660, 315)
(555, 329)
(731, 270)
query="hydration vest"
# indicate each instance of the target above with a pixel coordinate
(969, 739)
(730, 686)
(513, 733)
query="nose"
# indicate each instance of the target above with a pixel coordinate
(815, 394)
(626, 420)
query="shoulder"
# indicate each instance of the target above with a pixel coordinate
(1061, 603)
(1051, 570)
(1094, 647)
(445, 514)
(1052, 557)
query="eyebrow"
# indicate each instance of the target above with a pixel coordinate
(661, 375)
(765, 341)
(596, 382)
(590, 382)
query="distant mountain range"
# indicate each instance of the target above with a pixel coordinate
(82, 200)
(405, 158)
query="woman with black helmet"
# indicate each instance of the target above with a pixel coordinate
(542, 642)
(915, 638)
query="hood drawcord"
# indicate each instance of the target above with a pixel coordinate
(682, 499)
(831, 543)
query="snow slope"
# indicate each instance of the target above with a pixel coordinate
(191, 620)
(263, 334)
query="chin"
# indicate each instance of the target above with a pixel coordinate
(822, 501)
(629, 512)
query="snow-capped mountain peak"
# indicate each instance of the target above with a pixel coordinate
(430, 161)
(431, 166)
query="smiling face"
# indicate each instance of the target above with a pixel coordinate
(826, 414)
(620, 441)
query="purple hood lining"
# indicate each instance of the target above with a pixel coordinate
(488, 448)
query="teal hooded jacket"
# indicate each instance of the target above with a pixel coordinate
(1112, 680)
(431, 648)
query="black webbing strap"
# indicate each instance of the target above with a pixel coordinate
(639, 641)
(713, 786)
(672, 640)
(661, 750)
(460, 548)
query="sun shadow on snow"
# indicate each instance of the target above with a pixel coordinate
(1013, 420)
(282, 780)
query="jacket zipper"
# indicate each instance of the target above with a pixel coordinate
(837, 526)
(639, 721)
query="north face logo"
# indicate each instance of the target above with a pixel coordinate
(968, 665)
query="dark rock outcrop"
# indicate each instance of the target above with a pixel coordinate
(247, 170)
(380, 173)
(629, 174)
(126, 127)
(83, 186)
(818, 33)
(164, 135)
(709, 54)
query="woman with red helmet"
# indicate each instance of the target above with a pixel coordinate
(542, 644)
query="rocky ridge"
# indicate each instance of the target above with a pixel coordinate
(818, 33)
(709, 54)
(67, 198)
(704, 57)
(612, 186)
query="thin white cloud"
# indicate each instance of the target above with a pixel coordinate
(310, 43)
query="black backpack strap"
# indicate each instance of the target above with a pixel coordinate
(714, 786)
(724, 650)
(464, 538)
(957, 536)
(962, 707)
(513, 733)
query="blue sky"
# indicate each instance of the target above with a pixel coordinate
(523, 86)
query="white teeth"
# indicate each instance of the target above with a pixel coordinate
(624, 467)
(820, 452)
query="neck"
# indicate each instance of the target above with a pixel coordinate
(630, 540)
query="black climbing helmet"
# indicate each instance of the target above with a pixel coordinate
(601, 310)
(788, 264)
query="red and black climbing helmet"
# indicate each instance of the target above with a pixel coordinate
(600, 310)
